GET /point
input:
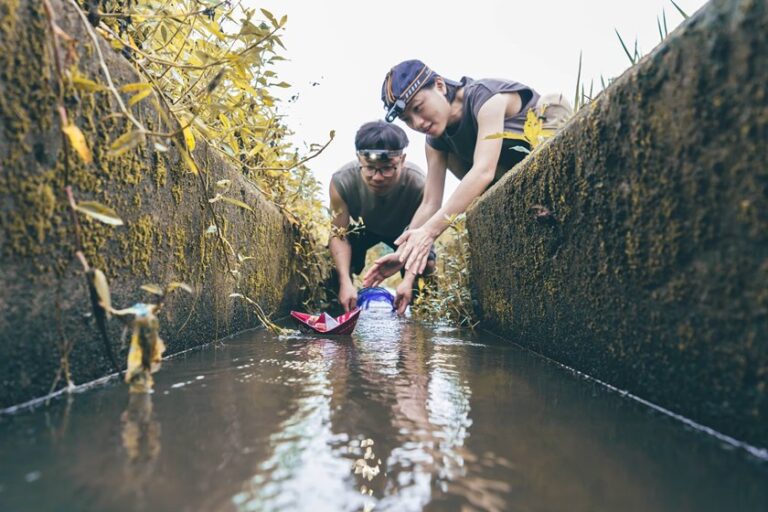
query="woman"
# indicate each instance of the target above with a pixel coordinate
(458, 118)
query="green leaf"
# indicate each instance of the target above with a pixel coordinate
(270, 17)
(99, 212)
(152, 288)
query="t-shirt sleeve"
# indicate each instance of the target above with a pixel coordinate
(482, 90)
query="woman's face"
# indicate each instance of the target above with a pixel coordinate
(428, 111)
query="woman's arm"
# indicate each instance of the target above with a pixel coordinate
(433, 196)
(437, 163)
(415, 243)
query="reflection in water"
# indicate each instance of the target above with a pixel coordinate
(140, 436)
(398, 417)
(306, 470)
(393, 461)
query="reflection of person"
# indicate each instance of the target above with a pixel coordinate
(382, 189)
(457, 118)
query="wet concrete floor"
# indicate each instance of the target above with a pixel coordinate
(398, 417)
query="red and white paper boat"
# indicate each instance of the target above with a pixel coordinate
(325, 323)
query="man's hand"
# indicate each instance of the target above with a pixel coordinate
(382, 269)
(404, 293)
(347, 297)
(414, 246)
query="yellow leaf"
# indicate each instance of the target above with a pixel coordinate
(125, 142)
(99, 212)
(102, 290)
(133, 365)
(189, 138)
(214, 28)
(236, 202)
(191, 165)
(138, 97)
(77, 139)
(176, 284)
(534, 129)
(506, 135)
(137, 86)
(83, 84)
(152, 288)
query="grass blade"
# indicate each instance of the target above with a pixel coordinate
(576, 103)
(626, 50)
(682, 12)
(661, 34)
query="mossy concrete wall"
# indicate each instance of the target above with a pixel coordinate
(651, 271)
(43, 297)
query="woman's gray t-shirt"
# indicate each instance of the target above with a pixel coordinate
(461, 139)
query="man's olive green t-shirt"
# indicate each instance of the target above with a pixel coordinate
(383, 215)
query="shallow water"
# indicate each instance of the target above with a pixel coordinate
(450, 423)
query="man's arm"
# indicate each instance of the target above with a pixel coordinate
(341, 251)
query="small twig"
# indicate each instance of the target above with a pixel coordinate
(188, 66)
(172, 16)
(105, 69)
(300, 162)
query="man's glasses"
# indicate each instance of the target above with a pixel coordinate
(386, 171)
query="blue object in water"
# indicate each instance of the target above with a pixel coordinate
(376, 293)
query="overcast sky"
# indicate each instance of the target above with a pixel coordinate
(339, 52)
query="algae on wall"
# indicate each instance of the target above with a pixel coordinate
(652, 271)
(165, 208)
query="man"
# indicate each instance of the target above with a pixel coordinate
(383, 190)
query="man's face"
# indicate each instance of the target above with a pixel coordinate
(381, 175)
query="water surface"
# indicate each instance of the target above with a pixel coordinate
(397, 417)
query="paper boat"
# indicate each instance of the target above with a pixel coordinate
(325, 323)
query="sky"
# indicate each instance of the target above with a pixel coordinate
(339, 52)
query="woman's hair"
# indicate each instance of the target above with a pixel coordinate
(450, 86)
(380, 135)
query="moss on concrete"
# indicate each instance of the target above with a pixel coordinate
(164, 208)
(653, 274)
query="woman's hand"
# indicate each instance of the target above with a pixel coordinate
(383, 268)
(414, 246)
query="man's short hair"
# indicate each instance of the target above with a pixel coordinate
(380, 135)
